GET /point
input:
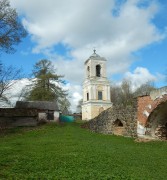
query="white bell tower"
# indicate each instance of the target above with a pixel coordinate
(96, 87)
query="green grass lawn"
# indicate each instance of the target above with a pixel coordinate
(69, 152)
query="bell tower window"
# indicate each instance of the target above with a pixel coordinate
(87, 96)
(100, 95)
(98, 70)
(88, 71)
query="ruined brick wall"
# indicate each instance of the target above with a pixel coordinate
(143, 118)
(13, 117)
(143, 109)
(158, 101)
(146, 106)
(134, 118)
(156, 125)
(150, 111)
(105, 122)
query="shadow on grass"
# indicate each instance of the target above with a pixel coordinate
(21, 130)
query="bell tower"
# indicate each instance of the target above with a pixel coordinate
(96, 87)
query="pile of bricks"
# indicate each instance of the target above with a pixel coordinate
(161, 132)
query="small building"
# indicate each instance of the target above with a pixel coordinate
(47, 111)
(13, 117)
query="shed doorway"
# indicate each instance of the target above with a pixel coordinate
(50, 115)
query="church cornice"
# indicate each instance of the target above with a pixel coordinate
(94, 82)
(97, 102)
(95, 59)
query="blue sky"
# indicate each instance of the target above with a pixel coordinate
(130, 34)
(22, 58)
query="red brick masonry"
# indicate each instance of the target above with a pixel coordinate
(146, 105)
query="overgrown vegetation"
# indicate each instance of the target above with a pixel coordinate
(69, 152)
(125, 93)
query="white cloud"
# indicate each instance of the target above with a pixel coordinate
(82, 25)
(14, 93)
(140, 76)
(75, 92)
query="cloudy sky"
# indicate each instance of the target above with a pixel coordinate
(130, 34)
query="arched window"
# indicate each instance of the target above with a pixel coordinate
(87, 95)
(98, 70)
(100, 95)
(118, 123)
(88, 71)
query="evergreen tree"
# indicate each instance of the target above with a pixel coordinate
(46, 84)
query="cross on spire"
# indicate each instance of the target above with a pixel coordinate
(94, 50)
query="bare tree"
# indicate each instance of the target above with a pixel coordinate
(122, 95)
(64, 105)
(145, 89)
(11, 29)
(8, 77)
(115, 94)
(79, 106)
(127, 94)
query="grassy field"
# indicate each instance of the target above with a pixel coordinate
(69, 152)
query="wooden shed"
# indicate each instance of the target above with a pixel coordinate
(47, 110)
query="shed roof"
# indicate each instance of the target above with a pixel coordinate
(43, 105)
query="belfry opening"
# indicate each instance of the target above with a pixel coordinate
(98, 70)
